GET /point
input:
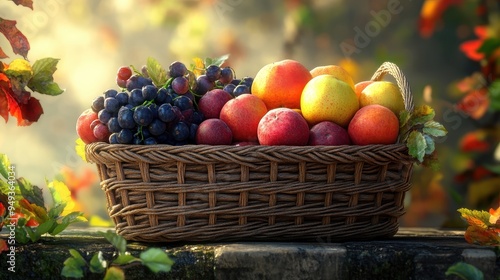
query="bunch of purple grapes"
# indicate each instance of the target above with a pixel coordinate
(145, 114)
(223, 78)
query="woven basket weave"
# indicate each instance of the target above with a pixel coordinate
(163, 193)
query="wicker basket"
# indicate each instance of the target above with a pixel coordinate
(165, 193)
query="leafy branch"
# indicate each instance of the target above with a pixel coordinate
(154, 258)
(23, 204)
(418, 129)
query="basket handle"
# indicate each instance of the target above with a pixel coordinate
(393, 70)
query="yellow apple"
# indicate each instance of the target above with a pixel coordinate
(383, 93)
(334, 70)
(326, 98)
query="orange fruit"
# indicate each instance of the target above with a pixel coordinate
(280, 84)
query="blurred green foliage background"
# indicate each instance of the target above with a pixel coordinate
(94, 38)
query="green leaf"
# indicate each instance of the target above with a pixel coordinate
(429, 145)
(465, 271)
(114, 273)
(58, 228)
(494, 94)
(32, 193)
(435, 129)
(156, 260)
(32, 234)
(216, 61)
(74, 217)
(71, 269)
(21, 235)
(80, 148)
(4, 166)
(416, 145)
(43, 80)
(117, 241)
(489, 46)
(493, 168)
(44, 227)
(98, 264)
(404, 117)
(78, 258)
(156, 72)
(125, 259)
(56, 211)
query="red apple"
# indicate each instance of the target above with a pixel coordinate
(211, 103)
(83, 129)
(213, 132)
(283, 126)
(374, 124)
(242, 114)
(328, 133)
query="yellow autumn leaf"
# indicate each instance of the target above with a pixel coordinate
(198, 66)
(80, 148)
(97, 221)
(20, 68)
(495, 216)
(61, 195)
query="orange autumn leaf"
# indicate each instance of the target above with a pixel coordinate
(481, 236)
(77, 182)
(431, 12)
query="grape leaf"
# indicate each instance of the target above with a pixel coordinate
(416, 145)
(156, 260)
(156, 72)
(216, 61)
(43, 80)
(25, 3)
(434, 128)
(465, 271)
(17, 40)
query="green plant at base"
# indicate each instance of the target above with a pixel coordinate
(153, 258)
(465, 271)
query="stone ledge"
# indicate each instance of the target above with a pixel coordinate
(414, 253)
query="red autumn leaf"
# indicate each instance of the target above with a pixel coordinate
(2, 210)
(26, 3)
(2, 54)
(474, 142)
(18, 41)
(469, 48)
(4, 106)
(3, 246)
(475, 104)
(431, 12)
(480, 173)
(25, 113)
